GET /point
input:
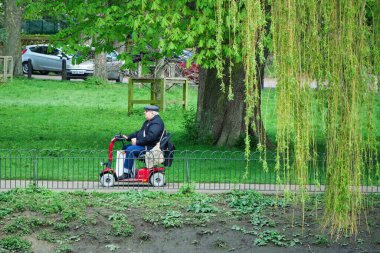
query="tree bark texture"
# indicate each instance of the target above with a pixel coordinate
(12, 24)
(100, 62)
(224, 119)
(217, 116)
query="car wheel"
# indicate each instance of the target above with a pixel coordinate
(44, 72)
(25, 67)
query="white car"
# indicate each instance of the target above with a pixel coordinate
(47, 59)
(79, 71)
(44, 59)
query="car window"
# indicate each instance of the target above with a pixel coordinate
(40, 49)
(52, 51)
(43, 50)
(37, 49)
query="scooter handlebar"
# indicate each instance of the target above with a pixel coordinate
(119, 137)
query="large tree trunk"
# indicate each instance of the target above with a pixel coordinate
(12, 24)
(100, 62)
(224, 119)
(217, 116)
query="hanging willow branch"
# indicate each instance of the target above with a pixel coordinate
(325, 41)
(252, 37)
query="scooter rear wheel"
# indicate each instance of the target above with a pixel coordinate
(157, 179)
(107, 180)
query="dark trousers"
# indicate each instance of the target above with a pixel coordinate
(131, 153)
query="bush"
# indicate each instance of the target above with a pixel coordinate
(187, 189)
(193, 134)
(190, 125)
(93, 80)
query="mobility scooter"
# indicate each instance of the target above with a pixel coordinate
(155, 175)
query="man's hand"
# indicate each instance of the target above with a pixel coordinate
(133, 141)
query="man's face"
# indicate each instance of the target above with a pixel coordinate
(148, 115)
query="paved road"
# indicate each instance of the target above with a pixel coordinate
(169, 187)
(58, 77)
(268, 82)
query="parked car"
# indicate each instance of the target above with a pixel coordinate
(79, 71)
(47, 59)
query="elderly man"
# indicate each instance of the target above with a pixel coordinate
(144, 139)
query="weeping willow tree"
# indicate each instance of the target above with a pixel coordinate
(331, 43)
(326, 60)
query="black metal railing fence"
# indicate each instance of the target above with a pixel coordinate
(203, 169)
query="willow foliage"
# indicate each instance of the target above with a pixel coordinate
(327, 42)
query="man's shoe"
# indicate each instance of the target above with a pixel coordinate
(124, 176)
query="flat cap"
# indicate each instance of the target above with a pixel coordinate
(151, 108)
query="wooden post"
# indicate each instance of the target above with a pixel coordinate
(5, 68)
(130, 94)
(158, 92)
(185, 94)
(162, 91)
(29, 68)
(64, 71)
(7, 71)
(152, 91)
(11, 68)
(139, 69)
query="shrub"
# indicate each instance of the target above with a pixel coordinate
(120, 225)
(187, 189)
(93, 80)
(190, 125)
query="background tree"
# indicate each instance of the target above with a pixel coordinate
(12, 41)
(2, 29)
(229, 115)
(165, 28)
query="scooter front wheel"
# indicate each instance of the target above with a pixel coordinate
(107, 180)
(157, 179)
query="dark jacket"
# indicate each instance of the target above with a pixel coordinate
(153, 131)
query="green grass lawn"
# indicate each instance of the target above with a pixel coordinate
(75, 115)
(63, 115)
